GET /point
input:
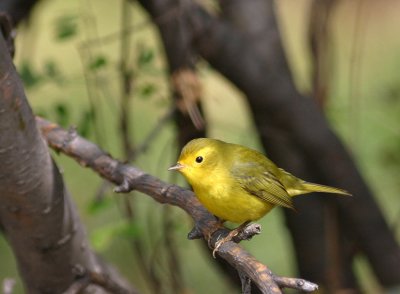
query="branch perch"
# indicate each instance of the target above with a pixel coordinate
(128, 177)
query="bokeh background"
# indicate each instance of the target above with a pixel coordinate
(68, 54)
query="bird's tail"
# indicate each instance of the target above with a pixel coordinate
(310, 187)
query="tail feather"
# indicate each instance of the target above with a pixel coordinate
(305, 187)
(310, 187)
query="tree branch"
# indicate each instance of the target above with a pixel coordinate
(92, 278)
(128, 177)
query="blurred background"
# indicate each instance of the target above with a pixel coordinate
(72, 56)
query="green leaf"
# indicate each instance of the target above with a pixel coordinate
(146, 56)
(101, 238)
(28, 75)
(41, 112)
(147, 90)
(66, 27)
(85, 122)
(100, 205)
(130, 231)
(51, 70)
(62, 114)
(98, 62)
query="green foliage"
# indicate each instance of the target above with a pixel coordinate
(147, 90)
(129, 231)
(52, 72)
(98, 62)
(66, 27)
(63, 118)
(86, 121)
(102, 237)
(33, 77)
(100, 206)
(41, 112)
(62, 114)
(145, 56)
(28, 75)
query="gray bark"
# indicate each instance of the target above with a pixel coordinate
(37, 215)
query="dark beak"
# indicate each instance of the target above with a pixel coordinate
(177, 166)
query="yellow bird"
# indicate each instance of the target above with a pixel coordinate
(239, 184)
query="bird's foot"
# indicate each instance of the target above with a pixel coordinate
(227, 238)
(219, 225)
(232, 234)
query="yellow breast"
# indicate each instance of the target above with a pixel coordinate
(228, 201)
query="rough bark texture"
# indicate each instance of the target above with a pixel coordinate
(37, 215)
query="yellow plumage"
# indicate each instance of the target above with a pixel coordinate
(238, 184)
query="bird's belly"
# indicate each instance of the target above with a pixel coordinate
(232, 204)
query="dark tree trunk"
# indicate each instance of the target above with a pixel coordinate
(316, 235)
(18, 10)
(37, 215)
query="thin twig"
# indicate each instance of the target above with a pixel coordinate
(126, 74)
(97, 279)
(125, 119)
(174, 265)
(147, 269)
(155, 131)
(356, 72)
(131, 29)
(248, 232)
(101, 191)
(293, 283)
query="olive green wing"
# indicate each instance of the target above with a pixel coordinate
(258, 180)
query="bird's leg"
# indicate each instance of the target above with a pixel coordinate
(216, 227)
(229, 237)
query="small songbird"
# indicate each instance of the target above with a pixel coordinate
(239, 184)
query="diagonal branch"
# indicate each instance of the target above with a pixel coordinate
(98, 279)
(128, 177)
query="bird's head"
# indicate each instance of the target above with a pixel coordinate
(198, 159)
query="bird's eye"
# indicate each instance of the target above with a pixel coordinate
(199, 159)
